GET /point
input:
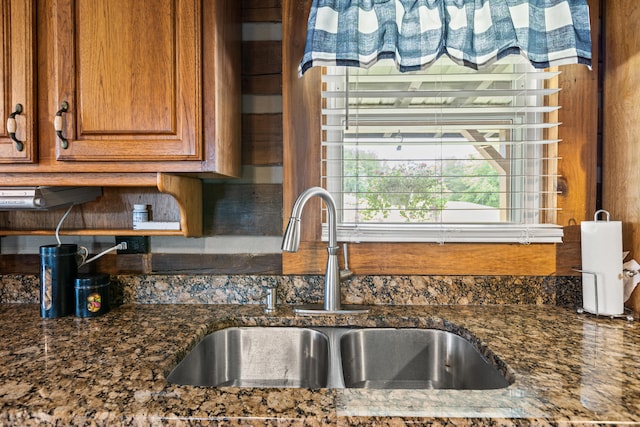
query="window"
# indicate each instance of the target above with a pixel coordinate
(447, 154)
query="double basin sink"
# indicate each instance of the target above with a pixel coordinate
(326, 357)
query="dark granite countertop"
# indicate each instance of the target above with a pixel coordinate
(569, 369)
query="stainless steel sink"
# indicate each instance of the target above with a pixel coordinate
(336, 358)
(256, 357)
(415, 359)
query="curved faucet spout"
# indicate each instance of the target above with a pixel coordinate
(291, 243)
(291, 240)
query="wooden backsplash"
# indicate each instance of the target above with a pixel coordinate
(621, 114)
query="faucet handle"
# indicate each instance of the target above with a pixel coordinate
(345, 255)
(345, 273)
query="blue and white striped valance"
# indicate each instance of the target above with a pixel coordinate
(415, 33)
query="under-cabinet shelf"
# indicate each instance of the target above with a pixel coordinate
(171, 197)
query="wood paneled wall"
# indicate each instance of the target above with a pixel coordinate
(621, 133)
(262, 76)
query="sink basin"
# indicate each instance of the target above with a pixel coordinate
(333, 357)
(256, 357)
(415, 359)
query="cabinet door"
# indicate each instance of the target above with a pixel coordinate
(129, 71)
(17, 83)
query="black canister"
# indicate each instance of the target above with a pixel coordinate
(58, 270)
(92, 294)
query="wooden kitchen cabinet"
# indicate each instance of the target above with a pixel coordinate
(17, 88)
(129, 92)
(129, 72)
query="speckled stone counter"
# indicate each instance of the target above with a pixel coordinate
(569, 369)
(374, 290)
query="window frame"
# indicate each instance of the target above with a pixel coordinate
(301, 170)
(520, 222)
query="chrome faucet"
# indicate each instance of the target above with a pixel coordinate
(291, 243)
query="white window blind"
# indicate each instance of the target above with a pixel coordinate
(448, 154)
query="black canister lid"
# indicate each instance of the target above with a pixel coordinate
(90, 280)
(62, 249)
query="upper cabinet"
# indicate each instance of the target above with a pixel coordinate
(123, 86)
(122, 94)
(17, 88)
(129, 74)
